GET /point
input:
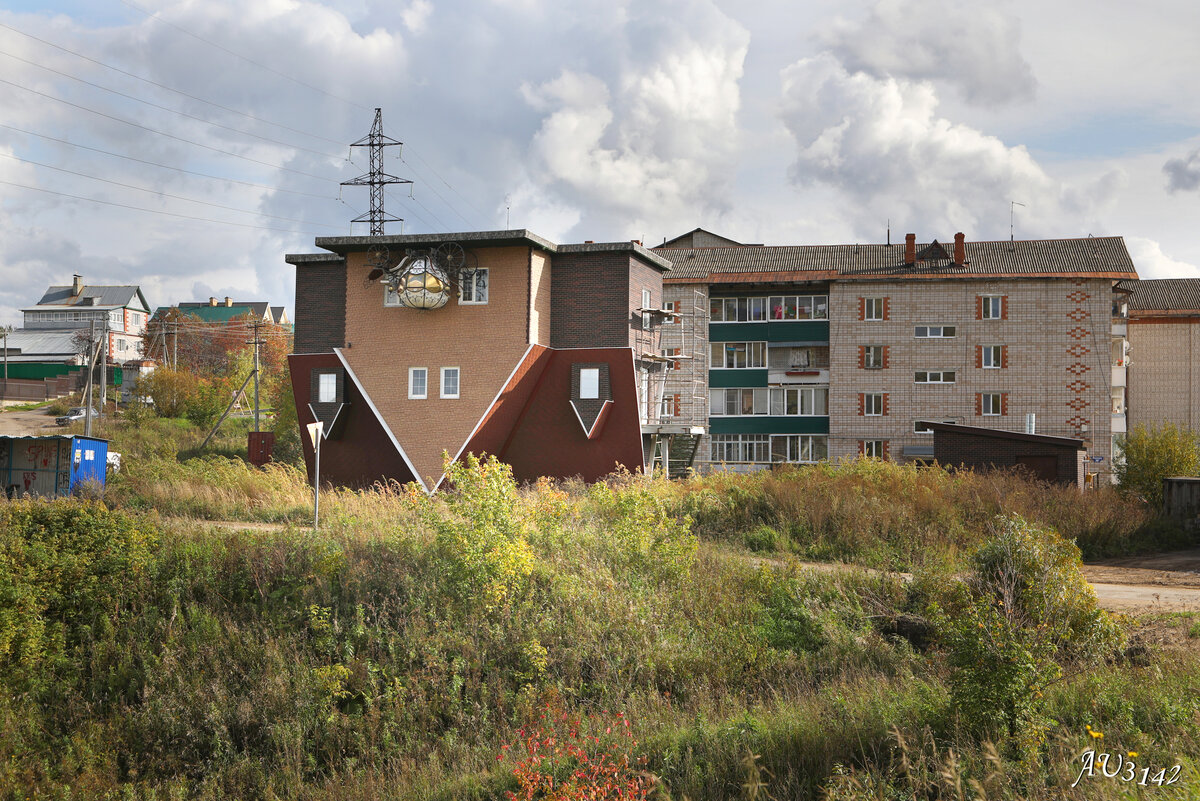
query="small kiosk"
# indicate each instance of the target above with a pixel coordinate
(51, 465)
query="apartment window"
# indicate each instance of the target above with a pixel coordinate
(922, 426)
(799, 401)
(799, 447)
(670, 306)
(934, 377)
(775, 307)
(991, 404)
(874, 448)
(992, 356)
(934, 331)
(992, 307)
(741, 448)
(646, 301)
(670, 406)
(738, 402)
(673, 363)
(872, 357)
(874, 309)
(449, 382)
(327, 387)
(872, 404)
(589, 383)
(738, 354)
(474, 287)
(418, 383)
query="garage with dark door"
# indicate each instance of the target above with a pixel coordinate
(1059, 460)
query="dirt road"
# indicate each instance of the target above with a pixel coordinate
(23, 424)
(1165, 582)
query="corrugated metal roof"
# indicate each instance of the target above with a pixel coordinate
(1091, 256)
(1165, 294)
(33, 341)
(113, 296)
(259, 307)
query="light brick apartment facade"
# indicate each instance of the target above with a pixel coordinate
(829, 351)
(1164, 352)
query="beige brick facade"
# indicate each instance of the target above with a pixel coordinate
(1056, 339)
(484, 341)
(1164, 372)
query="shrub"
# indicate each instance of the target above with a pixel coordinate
(1025, 613)
(1151, 454)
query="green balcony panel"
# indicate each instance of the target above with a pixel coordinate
(772, 331)
(737, 378)
(768, 425)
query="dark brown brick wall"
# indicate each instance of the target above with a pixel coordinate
(643, 276)
(320, 324)
(589, 294)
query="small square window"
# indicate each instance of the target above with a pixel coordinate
(873, 357)
(418, 383)
(589, 383)
(474, 287)
(873, 448)
(990, 404)
(873, 404)
(991, 356)
(449, 382)
(993, 307)
(326, 388)
(873, 309)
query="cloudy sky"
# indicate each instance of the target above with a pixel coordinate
(186, 145)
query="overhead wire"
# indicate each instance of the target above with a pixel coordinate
(161, 193)
(180, 92)
(164, 133)
(153, 211)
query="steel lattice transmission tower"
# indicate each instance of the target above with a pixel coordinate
(377, 179)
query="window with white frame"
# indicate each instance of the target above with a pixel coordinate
(741, 447)
(934, 377)
(799, 447)
(474, 287)
(800, 401)
(990, 404)
(873, 309)
(670, 306)
(774, 307)
(991, 356)
(450, 382)
(737, 355)
(738, 402)
(326, 387)
(934, 331)
(589, 383)
(668, 406)
(418, 383)
(993, 307)
(874, 448)
(873, 404)
(646, 316)
(873, 357)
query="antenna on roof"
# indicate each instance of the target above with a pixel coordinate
(889, 232)
(1012, 208)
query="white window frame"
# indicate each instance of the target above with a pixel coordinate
(873, 310)
(469, 288)
(647, 300)
(934, 377)
(993, 354)
(993, 307)
(752, 349)
(589, 383)
(990, 401)
(413, 372)
(872, 404)
(930, 329)
(873, 448)
(799, 448)
(326, 381)
(870, 363)
(445, 372)
(741, 448)
(667, 410)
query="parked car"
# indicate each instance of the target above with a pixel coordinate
(77, 413)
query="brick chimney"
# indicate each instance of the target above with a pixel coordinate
(228, 302)
(77, 285)
(910, 248)
(212, 301)
(960, 249)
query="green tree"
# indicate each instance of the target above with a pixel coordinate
(1151, 454)
(1016, 625)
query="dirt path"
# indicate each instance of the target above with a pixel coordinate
(32, 423)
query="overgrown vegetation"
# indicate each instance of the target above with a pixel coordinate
(398, 652)
(1150, 454)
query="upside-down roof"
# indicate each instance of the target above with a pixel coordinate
(1165, 294)
(1104, 257)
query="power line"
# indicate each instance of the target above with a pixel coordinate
(447, 183)
(439, 197)
(164, 194)
(164, 133)
(166, 166)
(154, 211)
(181, 29)
(168, 109)
(170, 89)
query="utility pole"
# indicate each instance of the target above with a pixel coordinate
(257, 342)
(87, 399)
(104, 370)
(5, 330)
